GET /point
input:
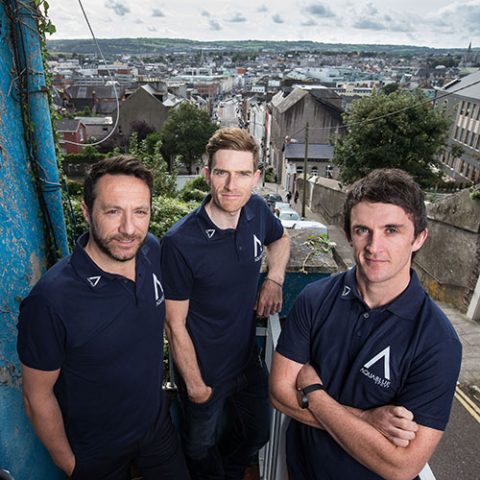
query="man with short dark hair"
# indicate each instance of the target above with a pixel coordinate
(211, 261)
(367, 364)
(90, 340)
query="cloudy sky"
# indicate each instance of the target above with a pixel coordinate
(435, 23)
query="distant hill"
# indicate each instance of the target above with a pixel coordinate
(159, 46)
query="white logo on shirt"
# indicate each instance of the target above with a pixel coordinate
(94, 280)
(257, 248)
(385, 381)
(210, 232)
(346, 290)
(159, 295)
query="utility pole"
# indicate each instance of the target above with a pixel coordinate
(305, 163)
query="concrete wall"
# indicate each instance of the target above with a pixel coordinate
(449, 262)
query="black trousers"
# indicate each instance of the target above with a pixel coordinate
(158, 456)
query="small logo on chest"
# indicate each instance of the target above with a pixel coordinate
(159, 295)
(257, 248)
(94, 280)
(384, 356)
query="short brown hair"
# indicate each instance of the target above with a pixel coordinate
(119, 165)
(232, 139)
(388, 185)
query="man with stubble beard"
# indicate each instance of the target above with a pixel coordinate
(90, 340)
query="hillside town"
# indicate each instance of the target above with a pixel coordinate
(236, 258)
(271, 93)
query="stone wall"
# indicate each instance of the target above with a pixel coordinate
(449, 262)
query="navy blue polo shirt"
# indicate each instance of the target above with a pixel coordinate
(105, 333)
(217, 271)
(404, 353)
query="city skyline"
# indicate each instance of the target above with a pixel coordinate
(431, 23)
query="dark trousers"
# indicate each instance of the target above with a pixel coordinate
(158, 456)
(241, 408)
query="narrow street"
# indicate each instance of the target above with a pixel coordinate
(457, 456)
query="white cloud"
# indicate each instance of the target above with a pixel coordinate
(237, 18)
(118, 7)
(430, 22)
(156, 12)
(214, 25)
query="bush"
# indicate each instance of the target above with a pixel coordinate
(166, 211)
(270, 176)
(194, 190)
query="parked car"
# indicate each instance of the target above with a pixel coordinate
(281, 206)
(287, 214)
(292, 220)
(273, 197)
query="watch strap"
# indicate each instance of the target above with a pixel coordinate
(312, 388)
(306, 390)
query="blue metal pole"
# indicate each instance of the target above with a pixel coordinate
(23, 246)
(39, 111)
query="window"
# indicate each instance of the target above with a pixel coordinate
(467, 136)
(455, 136)
(472, 139)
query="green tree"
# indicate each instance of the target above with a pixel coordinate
(166, 211)
(163, 181)
(390, 88)
(399, 130)
(185, 134)
(194, 190)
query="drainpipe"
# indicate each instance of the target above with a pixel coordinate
(43, 147)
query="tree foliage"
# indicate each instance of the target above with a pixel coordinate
(194, 190)
(399, 130)
(149, 154)
(166, 211)
(185, 134)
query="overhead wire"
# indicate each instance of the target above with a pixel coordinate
(117, 103)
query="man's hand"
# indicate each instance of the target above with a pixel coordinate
(69, 466)
(269, 299)
(394, 422)
(200, 394)
(307, 376)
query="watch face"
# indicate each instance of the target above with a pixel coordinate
(303, 399)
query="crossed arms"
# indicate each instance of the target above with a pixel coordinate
(386, 440)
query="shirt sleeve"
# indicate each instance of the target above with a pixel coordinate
(41, 335)
(294, 341)
(177, 275)
(430, 386)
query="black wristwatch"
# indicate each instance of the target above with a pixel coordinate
(303, 393)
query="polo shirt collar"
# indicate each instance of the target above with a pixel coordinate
(210, 229)
(92, 274)
(406, 305)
